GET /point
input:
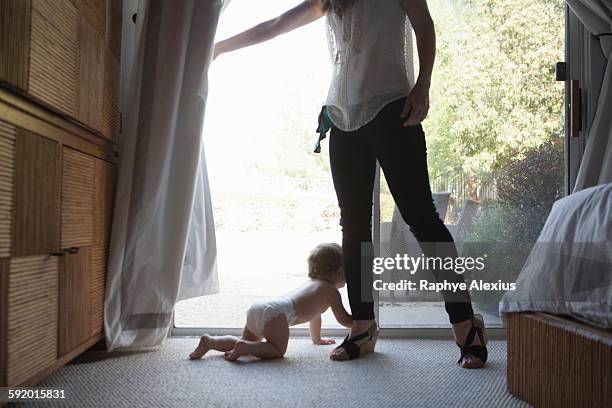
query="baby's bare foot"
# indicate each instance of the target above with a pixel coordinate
(203, 347)
(237, 351)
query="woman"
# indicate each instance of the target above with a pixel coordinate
(375, 114)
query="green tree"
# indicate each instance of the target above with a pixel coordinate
(493, 88)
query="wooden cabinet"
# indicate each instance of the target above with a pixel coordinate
(55, 215)
(65, 54)
(59, 119)
(87, 200)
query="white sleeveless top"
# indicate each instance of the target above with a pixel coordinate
(371, 51)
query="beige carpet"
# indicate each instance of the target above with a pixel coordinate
(403, 373)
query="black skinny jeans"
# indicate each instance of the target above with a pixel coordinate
(402, 155)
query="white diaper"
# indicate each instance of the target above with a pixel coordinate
(262, 312)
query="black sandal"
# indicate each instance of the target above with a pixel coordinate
(354, 350)
(479, 351)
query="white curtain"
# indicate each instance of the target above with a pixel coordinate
(163, 243)
(199, 276)
(596, 165)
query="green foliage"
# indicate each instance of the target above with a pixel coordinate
(491, 225)
(528, 185)
(493, 89)
(531, 183)
(495, 108)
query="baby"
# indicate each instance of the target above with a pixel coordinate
(271, 319)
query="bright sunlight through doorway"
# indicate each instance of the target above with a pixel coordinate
(496, 111)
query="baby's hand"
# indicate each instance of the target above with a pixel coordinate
(324, 342)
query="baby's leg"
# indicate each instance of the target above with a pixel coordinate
(219, 343)
(276, 333)
(207, 343)
(249, 336)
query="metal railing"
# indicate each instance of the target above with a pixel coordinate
(462, 185)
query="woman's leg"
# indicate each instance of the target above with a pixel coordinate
(353, 168)
(276, 333)
(402, 154)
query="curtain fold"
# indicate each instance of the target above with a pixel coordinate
(199, 276)
(162, 201)
(596, 164)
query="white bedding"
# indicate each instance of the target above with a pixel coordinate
(569, 270)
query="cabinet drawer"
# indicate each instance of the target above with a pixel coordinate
(53, 54)
(15, 16)
(32, 304)
(36, 195)
(74, 326)
(77, 198)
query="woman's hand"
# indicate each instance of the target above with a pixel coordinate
(417, 105)
(218, 50)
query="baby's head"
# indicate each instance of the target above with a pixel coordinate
(325, 263)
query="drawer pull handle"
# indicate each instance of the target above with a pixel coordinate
(71, 250)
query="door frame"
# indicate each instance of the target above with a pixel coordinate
(585, 62)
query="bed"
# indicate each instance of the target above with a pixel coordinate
(559, 318)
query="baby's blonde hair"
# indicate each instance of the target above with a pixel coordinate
(324, 262)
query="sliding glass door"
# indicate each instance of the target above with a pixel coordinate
(496, 143)
(273, 198)
(497, 153)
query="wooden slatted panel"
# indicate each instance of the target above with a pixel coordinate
(74, 328)
(95, 13)
(110, 108)
(77, 199)
(558, 362)
(4, 271)
(36, 195)
(114, 21)
(97, 281)
(104, 185)
(15, 41)
(32, 316)
(53, 53)
(91, 75)
(7, 157)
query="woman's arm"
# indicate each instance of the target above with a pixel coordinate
(305, 13)
(340, 313)
(315, 333)
(417, 104)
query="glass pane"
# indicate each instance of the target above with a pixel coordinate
(273, 198)
(495, 137)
